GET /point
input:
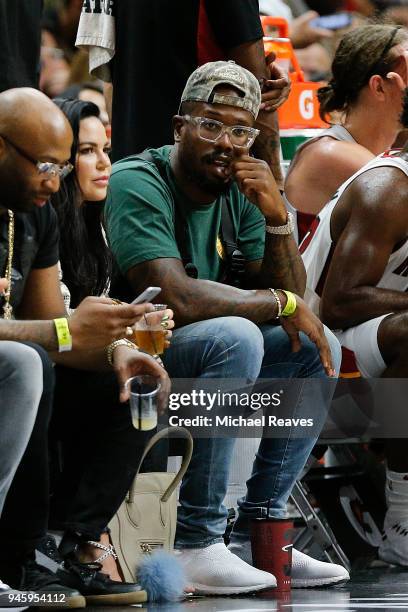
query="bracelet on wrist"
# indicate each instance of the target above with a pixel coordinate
(115, 344)
(282, 230)
(278, 302)
(291, 304)
(63, 334)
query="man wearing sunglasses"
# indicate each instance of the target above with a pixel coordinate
(35, 144)
(164, 219)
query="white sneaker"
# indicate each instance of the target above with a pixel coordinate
(394, 546)
(214, 570)
(306, 571)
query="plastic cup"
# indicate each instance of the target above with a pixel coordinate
(271, 542)
(149, 334)
(143, 401)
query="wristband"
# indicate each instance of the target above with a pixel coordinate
(63, 335)
(115, 344)
(291, 304)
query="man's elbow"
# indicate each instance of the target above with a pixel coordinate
(332, 314)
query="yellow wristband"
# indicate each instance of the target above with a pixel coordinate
(291, 304)
(63, 335)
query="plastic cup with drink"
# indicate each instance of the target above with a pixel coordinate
(143, 392)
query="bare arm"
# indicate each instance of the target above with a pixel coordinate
(41, 295)
(95, 323)
(195, 300)
(282, 265)
(319, 169)
(378, 223)
(267, 145)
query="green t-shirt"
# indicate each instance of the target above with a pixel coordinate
(140, 211)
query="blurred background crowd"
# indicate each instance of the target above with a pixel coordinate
(64, 66)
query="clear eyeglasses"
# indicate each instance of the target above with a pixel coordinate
(50, 169)
(212, 130)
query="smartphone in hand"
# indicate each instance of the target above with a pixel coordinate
(147, 295)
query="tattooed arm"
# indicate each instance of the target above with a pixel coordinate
(195, 300)
(39, 332)
(267, 145)
(282, 265)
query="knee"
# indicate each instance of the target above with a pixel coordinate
(243, 341)
(392, 338)
(335, 349)
(48, 375)
(22, 372)
(311, 355)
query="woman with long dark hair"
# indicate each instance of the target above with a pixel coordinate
(93, 417)
(84, 255)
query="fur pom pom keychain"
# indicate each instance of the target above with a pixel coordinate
(161, 575)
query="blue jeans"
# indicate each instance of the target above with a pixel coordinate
(20, 392)
(232, 347)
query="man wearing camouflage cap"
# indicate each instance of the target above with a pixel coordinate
(166, 223)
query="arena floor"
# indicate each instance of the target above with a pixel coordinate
(372, 590)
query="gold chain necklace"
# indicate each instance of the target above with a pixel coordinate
(7, 307)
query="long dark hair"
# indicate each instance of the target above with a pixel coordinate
(86, 260)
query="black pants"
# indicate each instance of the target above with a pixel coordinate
(100, 450)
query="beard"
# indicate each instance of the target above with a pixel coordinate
(194, 169)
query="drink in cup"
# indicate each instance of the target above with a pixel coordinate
(143, 401)
(149, 334)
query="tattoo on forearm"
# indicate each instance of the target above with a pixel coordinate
(282, 265)
(38, 332)
(196, 300)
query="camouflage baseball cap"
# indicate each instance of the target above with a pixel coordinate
(201, 83)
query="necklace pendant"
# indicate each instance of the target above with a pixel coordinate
(8, 311)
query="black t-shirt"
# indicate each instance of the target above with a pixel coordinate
(158, 45)
(20, 39)
(35, 246)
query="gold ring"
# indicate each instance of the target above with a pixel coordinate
(116, 302)
(165, 324)
(129, 331)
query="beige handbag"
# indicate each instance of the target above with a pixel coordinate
(147, 518)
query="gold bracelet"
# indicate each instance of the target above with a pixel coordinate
(115, 344)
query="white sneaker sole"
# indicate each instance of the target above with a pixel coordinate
(317, 582)
(204, 589)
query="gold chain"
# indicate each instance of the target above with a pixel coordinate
(7, 308)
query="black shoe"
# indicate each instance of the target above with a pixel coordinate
(49, 548)
(44, 584)
(98, 588)
(10, 598)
